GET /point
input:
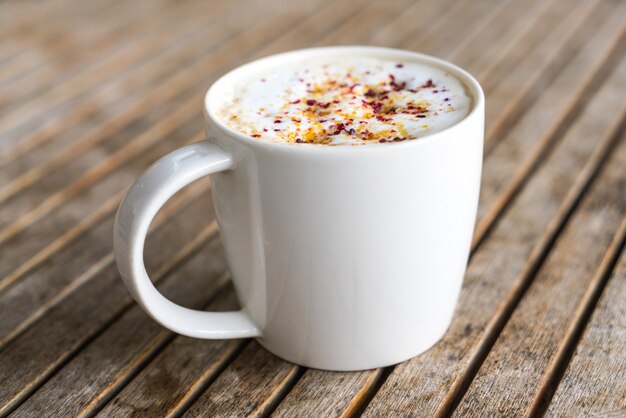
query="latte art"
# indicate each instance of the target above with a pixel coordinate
(346, 101)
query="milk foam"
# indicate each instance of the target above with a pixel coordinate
(351, 100)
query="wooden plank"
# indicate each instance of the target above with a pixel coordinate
(319, 382)
(502, 37)
(510, 162)
(110, 360)
(115, 113)
(307, 402)
(41, 350)
(75, 232)
(100, 234)
(519, 234)
(593, 384)
(74, 145)
(246, 387)
(524, 83)
(411, 23)
(364, 23)
(16, 35)
(64, 90)
(72, 55)
(326, 21)
(78, 131)
(27, 301)
(60, 96)
(126, 163)
(48, 50)
(560, 360)
(322, 30)
(137, 154)
(442, 38)
(62, 304)
(532, 335)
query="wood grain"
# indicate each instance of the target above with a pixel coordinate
(45, 287)
(594, 383)
(320, 383)
(554, 372)
(322, 28)
(497, 264)
(193, 284)
(315, 384)
(92, 92)
(137, 79)
(63, 92)
(41, 350)
(525, 82)
(112, 165)
(530, 338)
(96, 33)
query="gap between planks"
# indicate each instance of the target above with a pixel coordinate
(60, 243)
(40, 15)
(21, 66)
(147, 139)
(93, 219)
(150, 352)
(180, 257)
(529, 166)
(572, 111)
(554, 372)
(108, 261)
(34, 386)
(536, 259)
(11, 232)
(132, 68)
(20, 271)
(363, 397)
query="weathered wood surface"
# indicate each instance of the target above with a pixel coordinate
(594, 380)
(92, 92)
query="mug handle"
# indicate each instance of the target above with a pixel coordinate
(142, 202)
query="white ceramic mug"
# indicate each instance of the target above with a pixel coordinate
(343, 258)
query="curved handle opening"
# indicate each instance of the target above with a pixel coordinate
(142, 202)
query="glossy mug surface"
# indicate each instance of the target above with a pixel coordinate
(343, 258)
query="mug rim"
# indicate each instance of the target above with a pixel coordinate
(469, 82)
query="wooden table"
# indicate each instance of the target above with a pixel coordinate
(93, 92)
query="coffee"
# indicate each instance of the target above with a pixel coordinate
(352, 100)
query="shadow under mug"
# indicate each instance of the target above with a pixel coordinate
(343, 258)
